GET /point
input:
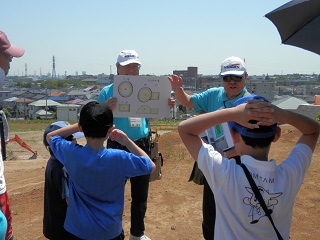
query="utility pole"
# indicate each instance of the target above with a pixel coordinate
(46, 103)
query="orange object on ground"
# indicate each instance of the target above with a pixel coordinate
(18, 140)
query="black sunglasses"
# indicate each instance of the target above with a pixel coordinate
(228, 78)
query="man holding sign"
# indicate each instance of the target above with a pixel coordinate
(137, 129)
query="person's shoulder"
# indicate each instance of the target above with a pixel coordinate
(213, 90)
(303, 148)
(107, 90)
(107, 87)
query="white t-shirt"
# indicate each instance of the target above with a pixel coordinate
(5, 128)
(238, 213)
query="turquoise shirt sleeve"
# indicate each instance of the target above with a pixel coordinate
(106, 93)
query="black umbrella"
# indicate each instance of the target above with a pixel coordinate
(298, 23)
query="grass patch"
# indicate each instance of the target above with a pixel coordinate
(29, 125)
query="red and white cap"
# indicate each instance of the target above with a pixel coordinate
(7, 48)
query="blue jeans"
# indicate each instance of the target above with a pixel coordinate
(139, 191)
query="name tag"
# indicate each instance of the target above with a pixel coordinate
(135, 122)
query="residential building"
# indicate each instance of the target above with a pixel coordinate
(46, 105)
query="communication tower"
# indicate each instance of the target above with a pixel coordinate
(54, 76)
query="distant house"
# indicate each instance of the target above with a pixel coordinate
(46, 105)
(58, 99)
(22, 106)
(9, 102)
(56, 94)
(84, 103)
(81, 94)
(18, 93)
(89, 80)
(298, 105)
(73, 94)
(42, 114)
(289, 103)
(75, 101)
(67, 112)
(4, 95)
(38, 97)
(104, 82)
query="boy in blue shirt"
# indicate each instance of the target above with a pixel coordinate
(97, 175)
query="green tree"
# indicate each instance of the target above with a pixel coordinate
(6, 112)
(317, 118)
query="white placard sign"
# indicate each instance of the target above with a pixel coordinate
(219, 136)
(141, 96)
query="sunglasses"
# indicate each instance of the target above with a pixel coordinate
(230, 78)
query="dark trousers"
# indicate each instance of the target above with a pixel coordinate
(208, 212)
(139, 191)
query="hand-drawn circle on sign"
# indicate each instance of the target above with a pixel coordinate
(144, 94)
(125, 89)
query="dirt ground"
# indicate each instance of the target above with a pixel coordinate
(174, 205)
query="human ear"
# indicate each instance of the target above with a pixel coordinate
(278, 135)
(111, 129)
(235, 136)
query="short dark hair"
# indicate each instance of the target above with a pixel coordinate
(96, 118)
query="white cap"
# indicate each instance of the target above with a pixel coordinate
(233, 66)
(128, 56)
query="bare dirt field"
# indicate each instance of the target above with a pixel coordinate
(174, 205)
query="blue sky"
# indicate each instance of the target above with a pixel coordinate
(168, 35)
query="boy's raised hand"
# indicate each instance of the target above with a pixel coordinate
(263, 112)
(119, 136)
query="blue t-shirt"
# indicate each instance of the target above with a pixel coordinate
(127, 125)
(213, 99)
(96, 186)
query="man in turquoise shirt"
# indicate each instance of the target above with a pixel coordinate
(233, 75)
